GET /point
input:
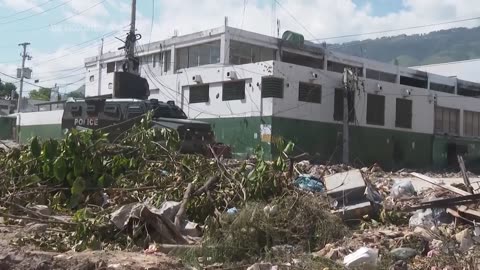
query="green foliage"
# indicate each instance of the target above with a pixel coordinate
(41, 94)
(302, 221)
(79, 93)
(420, 49)
(7, 88)
(76, 171)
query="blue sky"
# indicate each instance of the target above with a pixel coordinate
(382, 7)
(64, 32)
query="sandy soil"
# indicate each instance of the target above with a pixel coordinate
(29, 258)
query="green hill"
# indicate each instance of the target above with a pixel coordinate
(413, 50)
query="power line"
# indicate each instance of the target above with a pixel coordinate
(81, 49)
(63, 77)
(374, 32)
(60, 70)
(32, 84)
(26, 10)
(65, 19)
(295, 19)
(36, 14)
(398, 29)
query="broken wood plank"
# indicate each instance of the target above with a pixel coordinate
(461, 163)
(448, 202)
(466, 210)
(437, 183)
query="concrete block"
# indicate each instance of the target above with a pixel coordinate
(354, 211)
(348, 184)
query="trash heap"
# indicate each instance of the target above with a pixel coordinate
(139, 194)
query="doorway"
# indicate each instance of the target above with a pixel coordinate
(453, 150)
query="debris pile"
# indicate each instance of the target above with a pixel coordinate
(139, 194)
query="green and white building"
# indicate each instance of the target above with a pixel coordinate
(255, 89)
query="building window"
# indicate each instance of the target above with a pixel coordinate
(167, 61)
(471, 124)
(338, 105)
(414, 82)
(234, 90)
(110, 67)
(339, 68)
(302, 60)
(381, 76)
(198, 55)
(92, 78)
(309, 92)
(468, 89)
(375, 109)
(199, 93)
(244, 53)
(403, 114)
(447, 120)
(442, 88)
(272, 87)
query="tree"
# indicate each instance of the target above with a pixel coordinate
(7, 88)
(79, 93)
(41, 94)
(75, 94)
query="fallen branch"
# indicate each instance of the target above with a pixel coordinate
(181, 210)
(178, 236)
(4, 144)
(28, 211)
(38, 220)
(210, 182)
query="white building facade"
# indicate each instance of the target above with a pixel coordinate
(255, 90)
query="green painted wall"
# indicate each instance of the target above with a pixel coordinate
(391, 149)
(242, 133)
(6, 128)
(41, 131)
(471, 147)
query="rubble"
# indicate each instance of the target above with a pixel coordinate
(83, 193)
(403, 253)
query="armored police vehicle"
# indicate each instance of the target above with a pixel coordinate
(116, 115)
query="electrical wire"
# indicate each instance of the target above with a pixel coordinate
(32, 84)
(26, 10)
(36, 14)
(63, 77)
(80, 50)
(398, 29)
(65, 19)
(295, 19)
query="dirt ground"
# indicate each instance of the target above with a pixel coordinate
(12, 257)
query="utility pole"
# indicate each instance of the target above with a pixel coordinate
(131, 63)
(351, 84)
(25, 56)
(346, 89)
(99, 90)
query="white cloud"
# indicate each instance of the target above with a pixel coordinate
(19, 5)
(323, 18)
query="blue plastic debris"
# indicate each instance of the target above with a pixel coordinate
(232, 211)
(309, 183)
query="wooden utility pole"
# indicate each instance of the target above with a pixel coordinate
(131, 63)
(133, 18)
(25, 56)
